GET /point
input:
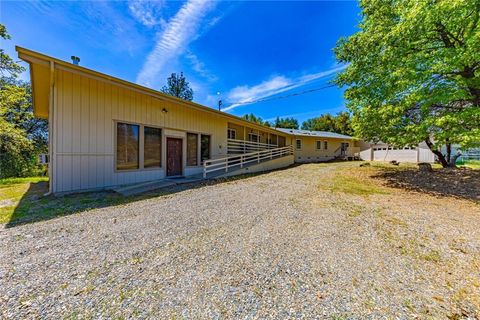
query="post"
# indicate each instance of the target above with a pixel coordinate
(244, 137)
(226, 165)
(205, 170)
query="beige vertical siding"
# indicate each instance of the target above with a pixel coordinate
(309, 153)
(86, 111)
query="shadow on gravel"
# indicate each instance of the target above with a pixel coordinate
(34, 207)
(461, 183)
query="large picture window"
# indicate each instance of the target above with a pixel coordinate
(152, 153)
(205, 147)
(192, 149)
(127, 146)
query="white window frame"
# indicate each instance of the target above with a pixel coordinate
(317, 144)
(296, 144)
(229, 133)
(251, 134)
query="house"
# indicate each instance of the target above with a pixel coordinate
(317, 146)
(106, 132)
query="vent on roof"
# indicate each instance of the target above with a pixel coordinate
(75, 60)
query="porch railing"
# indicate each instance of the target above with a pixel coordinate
(243, 160)
(241, 146)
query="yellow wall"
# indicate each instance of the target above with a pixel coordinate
(85, 113)
(86, 110)
(309, 153)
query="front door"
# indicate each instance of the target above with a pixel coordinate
(174, 157)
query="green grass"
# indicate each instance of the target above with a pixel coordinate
(352, 185)
(472, 164)
(11, 181)
(22, 200)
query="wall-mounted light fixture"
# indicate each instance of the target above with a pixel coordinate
(164, 110)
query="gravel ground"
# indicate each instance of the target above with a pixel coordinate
(286, 244)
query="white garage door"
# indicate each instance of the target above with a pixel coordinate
(404, 155)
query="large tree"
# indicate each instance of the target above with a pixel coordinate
(413, 73)
(341, 123)
(288, 123)
(179, 87)
(22, 136)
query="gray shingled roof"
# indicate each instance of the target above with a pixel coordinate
(308, 133)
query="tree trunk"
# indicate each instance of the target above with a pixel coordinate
(448, 146)
(436, 152)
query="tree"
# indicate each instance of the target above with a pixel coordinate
(253, 118)
(179, 87)
(16, 107)
(288, 123)
(413, 74)
(7, 65)
(341, 123)
(22, 136)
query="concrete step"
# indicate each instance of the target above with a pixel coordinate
(134, 189)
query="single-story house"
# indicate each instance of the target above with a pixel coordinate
(317, 146)
(106, 132)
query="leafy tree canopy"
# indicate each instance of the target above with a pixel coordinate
(22, 136)
(253, 118)
(414, 73)
(288, 123)
(179, 87)
(8, 67)
(340, 123)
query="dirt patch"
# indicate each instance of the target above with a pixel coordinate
(462, 183)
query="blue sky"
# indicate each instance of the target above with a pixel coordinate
(244, 50)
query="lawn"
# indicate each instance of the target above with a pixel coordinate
(22, 200)
(472, 164)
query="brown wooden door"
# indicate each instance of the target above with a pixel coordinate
(174, 157)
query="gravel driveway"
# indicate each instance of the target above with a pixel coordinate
(286, 244)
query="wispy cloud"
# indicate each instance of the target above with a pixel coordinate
(177, 34)
(148, 13)
(248, 94)
(199, 67)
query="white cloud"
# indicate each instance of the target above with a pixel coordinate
(178, 33)
(244, 94)
(199, 67)
(147, 12)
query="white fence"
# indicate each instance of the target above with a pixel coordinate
(242, 146)
(243, 160)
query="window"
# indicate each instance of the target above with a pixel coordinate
(205, 147)
(127, 146)
(231, 134)
(152, 147)
(253, 137)
(192, 149)
(325, 145)
(298, 144)
(319, 145)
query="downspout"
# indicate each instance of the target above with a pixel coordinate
(51, 133)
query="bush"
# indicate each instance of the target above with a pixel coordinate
(18, 157)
